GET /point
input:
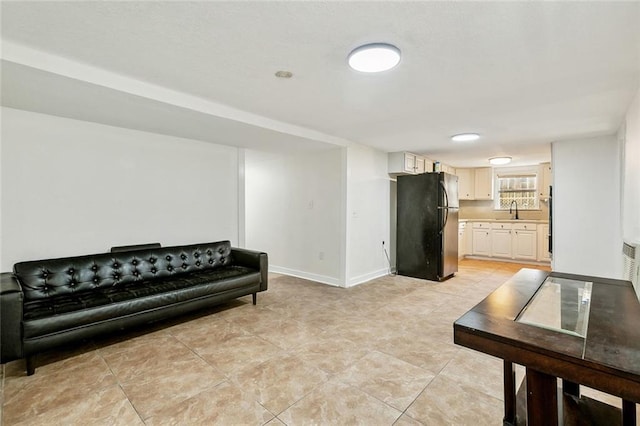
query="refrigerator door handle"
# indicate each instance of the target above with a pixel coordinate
(446, 206)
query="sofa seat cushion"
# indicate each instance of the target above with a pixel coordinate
(42, 317)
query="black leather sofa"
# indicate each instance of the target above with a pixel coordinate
(48, 303)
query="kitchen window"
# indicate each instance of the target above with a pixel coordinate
(520, 187)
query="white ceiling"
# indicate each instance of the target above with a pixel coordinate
(522, 74)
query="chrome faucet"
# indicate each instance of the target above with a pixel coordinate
(511, 208)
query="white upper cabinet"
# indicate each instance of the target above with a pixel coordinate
(475, 184)
(409, 162)
(419, 162)
(483, 183)
(428, 165)
(466, 179)
(423, 165)
(544, 180)
(402, 163)
(447, 169)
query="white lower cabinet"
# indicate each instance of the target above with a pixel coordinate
(507, 240)
(525, 241)
(468, 240)
(481, 239)
(462, 240)
(501, 240)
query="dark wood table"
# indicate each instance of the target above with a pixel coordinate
(607, 359)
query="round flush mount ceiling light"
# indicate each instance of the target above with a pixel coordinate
(374, 57)
(500, 161)
(465, 137)
(284, 74)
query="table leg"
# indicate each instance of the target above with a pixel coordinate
(628, 413)
(542, 399)
(509, 394)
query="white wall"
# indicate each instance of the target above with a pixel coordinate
(294, 212)
(368, 215)
(631, 175)
(73, 187)
(265, 202)
(586, 207)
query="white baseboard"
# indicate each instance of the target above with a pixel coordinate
(367, 277)
(507, 260)
(306, 275)
(326, 279)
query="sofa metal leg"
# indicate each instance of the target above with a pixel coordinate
(255, 298)
(31, 365)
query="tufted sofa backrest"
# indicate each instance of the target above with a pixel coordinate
(41, 279)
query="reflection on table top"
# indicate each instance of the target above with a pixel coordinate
(560, 304)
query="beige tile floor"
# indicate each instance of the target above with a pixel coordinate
(380, 353)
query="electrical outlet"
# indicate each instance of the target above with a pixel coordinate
(382, 242)
(321, 255)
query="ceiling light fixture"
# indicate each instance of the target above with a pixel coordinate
(500, 161)
(284, 74)
(374, 57)
(465, 137)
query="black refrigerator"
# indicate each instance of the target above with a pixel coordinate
(427, 226)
